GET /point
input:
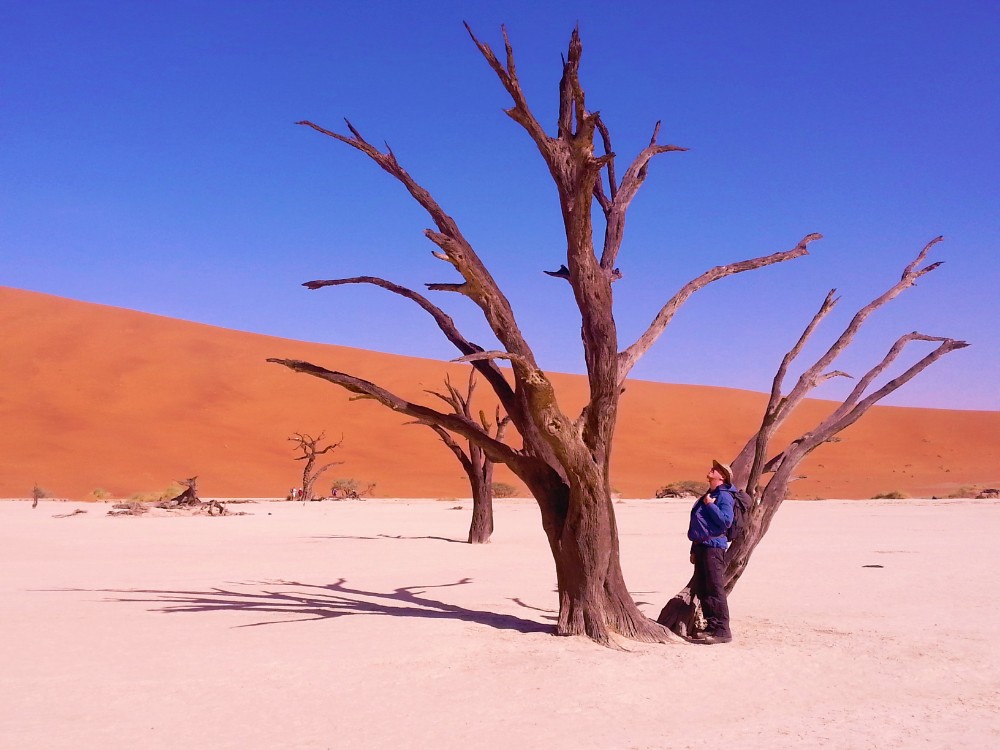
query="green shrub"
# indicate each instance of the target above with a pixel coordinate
(98, 493)
(502, 489)
(894, 495)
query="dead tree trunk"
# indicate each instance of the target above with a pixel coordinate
(476, 464)
(311, 451)
(481, 485)
(757, 460)
(563, 459)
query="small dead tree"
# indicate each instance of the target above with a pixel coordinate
(477, 465)
(311, 450)
(564, 460)
(189, 497)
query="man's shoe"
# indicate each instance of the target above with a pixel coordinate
(709, 640)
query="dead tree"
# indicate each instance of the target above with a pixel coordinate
(564, 459)
(477, 465)
(311, 451)
(188, 497)
(766, 473)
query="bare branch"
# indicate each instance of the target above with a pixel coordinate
(520, 112)
(460, 288)
(852, 409)
(632, 180)
(486, 366)
(447, 399)
(609, 152)
(831, 375)
(492, 355)
(779, 408)
(455, 448)
(828, 304)
(811, 377)
(501, 423)
(481, 287)
(319, 472)
(461, 425)
(911, 273)
(628, 358)
(848, 413)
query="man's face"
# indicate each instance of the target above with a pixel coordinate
(713, 473)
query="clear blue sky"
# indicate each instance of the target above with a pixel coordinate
(149, 160)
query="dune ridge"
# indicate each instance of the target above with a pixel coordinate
(103, 397)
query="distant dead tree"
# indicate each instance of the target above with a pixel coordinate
(311, 450)
(188, 497)
(564, 460)
(477, 465)
(188, 500)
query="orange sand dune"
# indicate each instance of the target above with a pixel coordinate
(101, 397)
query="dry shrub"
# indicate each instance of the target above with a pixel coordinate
(965, 491)
(502, 489)
(349, 487)
(894, 495)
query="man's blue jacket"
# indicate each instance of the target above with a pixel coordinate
(709, 521)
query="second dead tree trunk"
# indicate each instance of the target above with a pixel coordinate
(477, 465)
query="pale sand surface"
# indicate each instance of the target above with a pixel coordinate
(202, 632)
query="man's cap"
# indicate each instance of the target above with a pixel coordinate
(723, 469)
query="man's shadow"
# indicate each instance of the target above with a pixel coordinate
(321, 602)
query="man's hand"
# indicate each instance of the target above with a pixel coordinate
(708, 499)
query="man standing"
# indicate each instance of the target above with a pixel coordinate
(711, 515)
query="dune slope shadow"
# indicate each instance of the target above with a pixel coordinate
(320, 602)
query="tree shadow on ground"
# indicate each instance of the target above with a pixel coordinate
(319, 602)
(390, 536)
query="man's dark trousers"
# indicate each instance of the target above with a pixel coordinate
(709, 580)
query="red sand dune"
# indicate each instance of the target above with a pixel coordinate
(101, 397)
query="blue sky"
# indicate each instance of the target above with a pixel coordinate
(149, 160)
